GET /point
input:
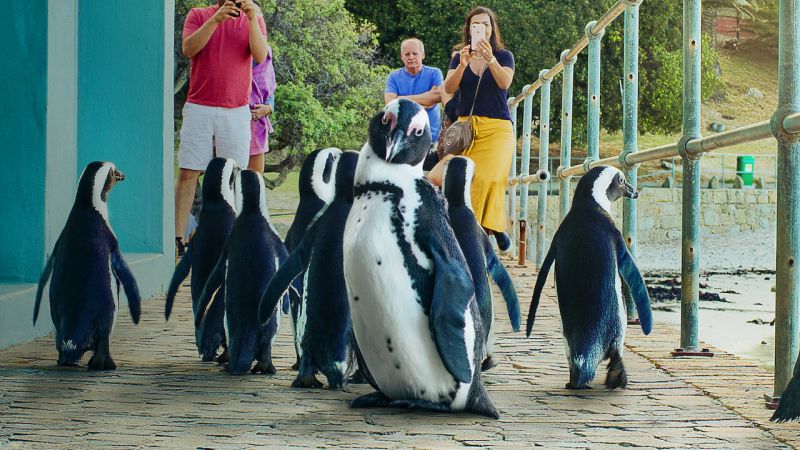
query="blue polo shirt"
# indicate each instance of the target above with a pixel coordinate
(400, 82)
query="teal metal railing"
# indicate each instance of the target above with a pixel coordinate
(784, 127)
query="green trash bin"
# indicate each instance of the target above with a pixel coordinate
(745, 166)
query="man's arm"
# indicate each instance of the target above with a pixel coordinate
(426, 99)
(196, 41)
(258, 42)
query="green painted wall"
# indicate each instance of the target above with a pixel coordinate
(23, 100)
(120, 80)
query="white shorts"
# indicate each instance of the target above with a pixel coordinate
(206, 127)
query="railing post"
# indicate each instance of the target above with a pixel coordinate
(566, 132)
(527, 118)
(593, 111)
(630, 128)
(512, 189)
(787, 289)
(543, 173)
(690, 256)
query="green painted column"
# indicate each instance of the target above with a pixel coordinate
(630, 128)
(690, 256)
(566, 132)
(525, 164)
(593, 95)
(543, 174)
(512, 190)
(787, 289)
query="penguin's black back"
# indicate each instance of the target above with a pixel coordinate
(585, 265)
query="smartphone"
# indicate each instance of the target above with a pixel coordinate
(477, 34)
(239, 6)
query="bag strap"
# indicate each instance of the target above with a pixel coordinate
(477, 88)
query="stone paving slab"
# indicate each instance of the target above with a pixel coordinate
(161, 395)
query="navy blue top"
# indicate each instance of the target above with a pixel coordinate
(492, 101)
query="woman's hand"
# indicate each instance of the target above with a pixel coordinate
(260, 111)
(485, 51)
(466, 56)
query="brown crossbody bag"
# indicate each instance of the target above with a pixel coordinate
(458, 136)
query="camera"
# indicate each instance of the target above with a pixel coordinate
(238, 5)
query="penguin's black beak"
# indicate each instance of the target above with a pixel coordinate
(118, 176)
(630, 192)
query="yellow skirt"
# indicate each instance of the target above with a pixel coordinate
(492, 150)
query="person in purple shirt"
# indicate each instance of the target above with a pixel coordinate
(262, 105)
(417, 82)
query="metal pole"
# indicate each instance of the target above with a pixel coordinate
(593, 111)
(544, 174)
(787, 289)
(512, 190)
(690, 257)
(566, 132)
(527, 114)
(630, 128)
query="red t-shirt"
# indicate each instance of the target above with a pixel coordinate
(221, 72)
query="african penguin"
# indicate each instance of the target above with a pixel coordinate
(477, 248)
(87, 269)
(411, 297)
(591, 263)
(315, 185)
(214, 225)
(252, 254)
(789, 407)
(324, 333)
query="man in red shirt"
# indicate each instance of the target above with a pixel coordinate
(222, 41)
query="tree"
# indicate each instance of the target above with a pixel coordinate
(329, 79)
(537, 31)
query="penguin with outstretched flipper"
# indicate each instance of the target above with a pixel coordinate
(87, 269)
(412, 300)
(789, 406)
(477, 248)
(316, 188)
(591, 264)
(214, 225)
(250, 258)
(324, 332)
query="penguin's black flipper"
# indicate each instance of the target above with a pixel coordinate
(123, 274)
(48, 269)
(213, 283)
(296, 262)
(453, 291)
(541, 277)
(180, 274)
(282, 257)
(789, 408)
(503, 280)
(633, 279)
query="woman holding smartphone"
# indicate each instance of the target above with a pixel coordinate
(483, 58)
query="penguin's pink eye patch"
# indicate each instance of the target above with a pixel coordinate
(389, 117)
(418, 124)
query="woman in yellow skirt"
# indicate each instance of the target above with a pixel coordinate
(486, 68)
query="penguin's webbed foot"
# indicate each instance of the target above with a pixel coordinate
(223, 358)
(376, 399)
(420, 404)
(100, 362)
(208, 357)
(487, 364)
(307, 381)
(616, 376)
(264, 367)
(577, 387)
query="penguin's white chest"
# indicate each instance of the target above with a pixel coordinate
(391, 328)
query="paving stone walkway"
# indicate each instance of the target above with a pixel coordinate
(161, 395)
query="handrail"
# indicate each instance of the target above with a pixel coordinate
(747, 133)
(598, 27)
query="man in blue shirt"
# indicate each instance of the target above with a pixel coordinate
(416, 82)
